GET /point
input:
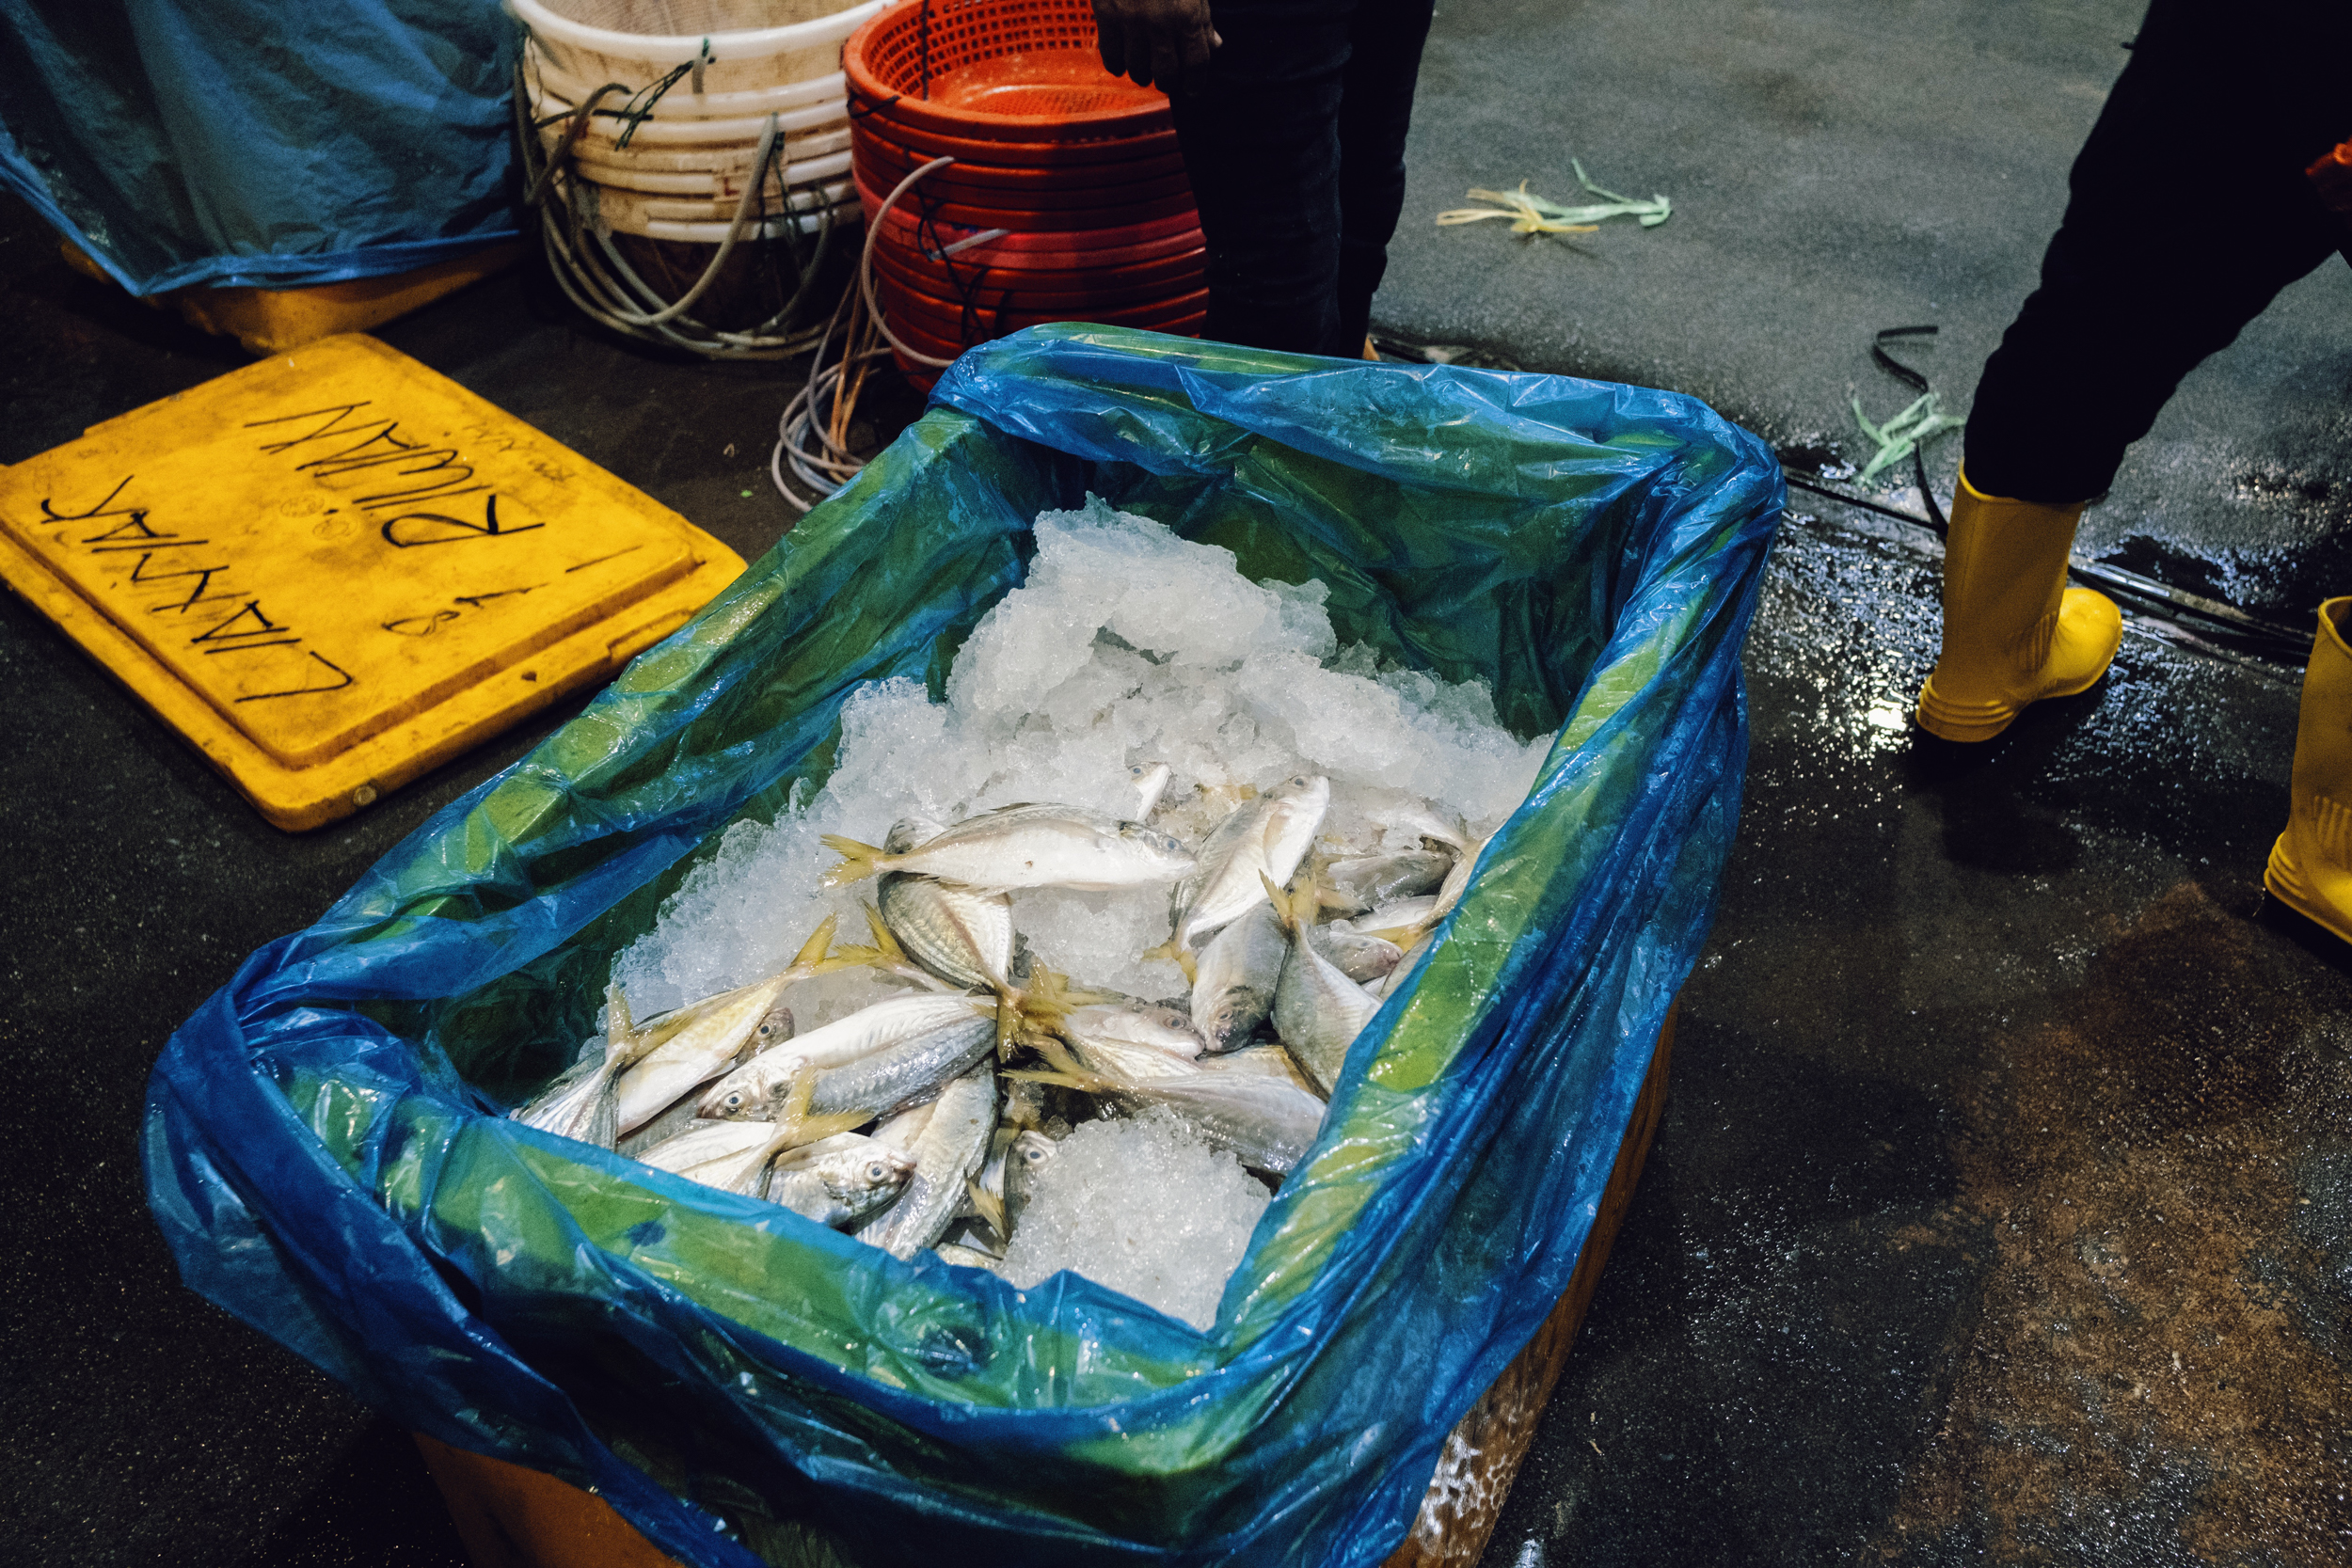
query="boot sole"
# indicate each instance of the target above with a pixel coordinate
(1974, 721)
(2285, 884)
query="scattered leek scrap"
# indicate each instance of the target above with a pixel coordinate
(1899, 437)
(1535, 215)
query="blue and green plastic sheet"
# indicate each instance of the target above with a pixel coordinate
(324, 1145)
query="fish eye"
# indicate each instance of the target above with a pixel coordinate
(876, 1172)
(734, 1102)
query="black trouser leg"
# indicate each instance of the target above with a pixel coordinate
(1295, 146)
(2187, 213)
(1261, 143)
(1375, 110)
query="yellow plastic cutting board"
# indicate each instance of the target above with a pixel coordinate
(335, 569)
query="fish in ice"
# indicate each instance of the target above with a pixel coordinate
(949, 1151)
(1318, 1011)
(1234, 978)
(1265, 1121)
(1365, 882)
(1262, 840)
(752, 1090)
(1149, 780)
(697, 1041)
(957, 933)
(839, 1180)
(1129, 1040)
(891, 1077)
(1359, 957)
(1028, 846)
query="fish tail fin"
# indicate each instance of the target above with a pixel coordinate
(858, 861)
(1281, 903)
(812, 1129)
(618, 1026)
(815, 953)
(885, 939)
(990, 1206)
(1401, 937)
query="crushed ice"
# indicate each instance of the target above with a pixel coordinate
(1126, 645)
(1142, 1205)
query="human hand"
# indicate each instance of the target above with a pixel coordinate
(1166, 42)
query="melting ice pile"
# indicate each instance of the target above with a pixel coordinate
(1127, 645)
(1142, 1205)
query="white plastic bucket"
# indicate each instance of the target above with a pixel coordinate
(680, 101)
(656, 131)
(614, 40)
(666, 218)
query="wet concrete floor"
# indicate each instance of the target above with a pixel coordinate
(2000, 1209)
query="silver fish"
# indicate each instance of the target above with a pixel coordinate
(699, 1041)
(1130, 1028)
(1456, 882)
(895, 1076)
(1028, 846)
(1368, 881)
(753, 1088)
(900, 1130)
(1317, 1010)
(1234, 980)
(951, 1149)
(1149, 780)
(579, 1103)
(1261, 1061)
(958, 934)
(1446, 831)
(1261, 841)
(1030, 1152)
(1267, 1122)
(584, 1101)
(1405, 918)
(839, 1180)
(728, 1155)
(1360, 957)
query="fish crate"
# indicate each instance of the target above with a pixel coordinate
(568, 1331)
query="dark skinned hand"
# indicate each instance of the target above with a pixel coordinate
(1163, 41)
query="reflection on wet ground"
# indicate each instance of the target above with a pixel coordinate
(2001, 1210)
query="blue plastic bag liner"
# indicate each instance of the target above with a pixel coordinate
(322, 1139)
(275, 143)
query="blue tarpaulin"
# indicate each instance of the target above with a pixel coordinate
(323, 1143)
(266, 142)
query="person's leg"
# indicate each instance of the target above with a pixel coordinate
(1376, 107)
(2188, 212)
(2218, 104)
(1260, 141)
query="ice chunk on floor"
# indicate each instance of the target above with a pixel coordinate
(1142, 1205)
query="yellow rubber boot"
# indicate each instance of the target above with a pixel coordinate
(2311, 866)
(2013, 632)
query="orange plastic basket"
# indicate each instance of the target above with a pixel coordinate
(996, 71)
(1064, 153)
(985, 189)
(1034, 293)
(1151, 219)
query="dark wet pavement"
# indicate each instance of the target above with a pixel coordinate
(2001, 1210)
(1839, 167)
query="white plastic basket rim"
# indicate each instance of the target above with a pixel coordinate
(666, 53)
(682, 103)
